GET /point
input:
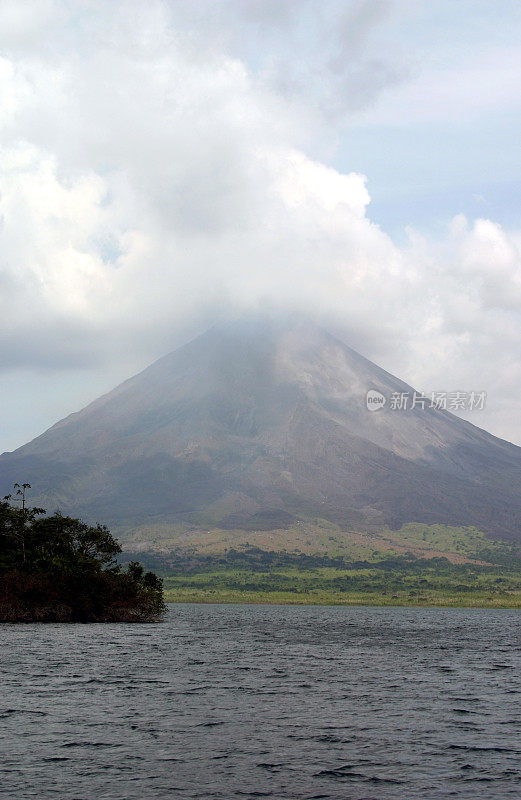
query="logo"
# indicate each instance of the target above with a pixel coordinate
(374, 400)
(438, 401)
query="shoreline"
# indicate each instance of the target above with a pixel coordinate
(512, 603)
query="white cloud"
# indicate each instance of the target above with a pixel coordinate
(150, 181)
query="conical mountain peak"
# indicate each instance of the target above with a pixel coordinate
(269, 413)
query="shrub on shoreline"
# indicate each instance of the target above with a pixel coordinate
(59, 569)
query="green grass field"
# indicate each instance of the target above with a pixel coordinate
(436, 585)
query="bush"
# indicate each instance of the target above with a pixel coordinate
(59, 569)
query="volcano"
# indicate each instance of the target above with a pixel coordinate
(261, 422)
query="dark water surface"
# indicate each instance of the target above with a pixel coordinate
(265, 701)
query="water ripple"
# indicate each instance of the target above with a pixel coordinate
(299, 703)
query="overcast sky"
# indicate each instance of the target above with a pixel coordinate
(164, 164)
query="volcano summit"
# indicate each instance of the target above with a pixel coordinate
(260, 423)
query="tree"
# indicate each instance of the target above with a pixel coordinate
(67, 567)
(19, 521)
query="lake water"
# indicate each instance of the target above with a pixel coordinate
(265, 701)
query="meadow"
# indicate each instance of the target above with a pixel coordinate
(421, 584)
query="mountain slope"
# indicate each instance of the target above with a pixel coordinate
(263, 417)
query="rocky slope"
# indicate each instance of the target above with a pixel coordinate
(258, 422)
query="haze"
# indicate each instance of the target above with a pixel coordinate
(168, 165)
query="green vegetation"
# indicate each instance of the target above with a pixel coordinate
(404, 582)
(315, 561)
(319, 537)
(58, 569)
(454, 540)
